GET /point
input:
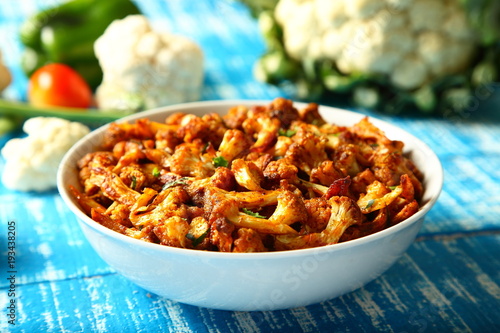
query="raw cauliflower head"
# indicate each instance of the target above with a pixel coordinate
(31, 162)
(144, 69)
(412, 41)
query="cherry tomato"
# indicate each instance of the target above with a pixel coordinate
(58, 85)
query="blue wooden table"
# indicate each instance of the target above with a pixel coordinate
(448, 281)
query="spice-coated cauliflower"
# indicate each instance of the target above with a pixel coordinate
(31, 163)
(245, 189)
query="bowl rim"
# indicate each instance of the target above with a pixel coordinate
(83, 218)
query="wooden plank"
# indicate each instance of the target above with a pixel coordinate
(49, 243)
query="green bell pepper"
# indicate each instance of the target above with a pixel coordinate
(66, 34)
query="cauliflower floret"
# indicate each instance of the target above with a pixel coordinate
(31, 163)
(377, 196)
(172, 231)
(343, 213)
(225, 206)
(190, 160)
(307, 150)
(248, 240)
(144, 69)
(378, 37)
(234, 143)
(247, 174)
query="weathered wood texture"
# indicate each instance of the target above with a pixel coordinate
(448, 281)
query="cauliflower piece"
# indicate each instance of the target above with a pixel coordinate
(247, 174)
(281, 169)
(318, 211)
(172, 232)
(289, 209)
(326, 173)
(407, 42)
(5, 76)
(31, 163)
(144, 69)
(264, 129)
(164, 205)
(189, 160)
(198, 232)
(234, 143)
(377, 196)
(248, 240)
(343, 213)
(307, 150)
(220, 204)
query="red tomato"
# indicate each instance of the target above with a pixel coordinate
(58, 85)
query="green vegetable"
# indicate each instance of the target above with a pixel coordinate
(66, 34)
(8, 124)
(327, 51)
(220, 161)
(258, 6)
(156, 172)
(370, 204)
(254, 214)
(197, 240)
(90, 117)
(288, 133)
(173, 183)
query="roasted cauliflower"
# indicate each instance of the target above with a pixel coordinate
(265, 178)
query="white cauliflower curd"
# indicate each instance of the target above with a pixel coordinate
(144, 69)
(411, 41)
(31, 162)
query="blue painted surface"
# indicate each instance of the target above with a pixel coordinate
(448, 281)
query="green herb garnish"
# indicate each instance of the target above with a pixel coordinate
(254, 214)
(180, 181)
(134, 183)
(197, 240)
(156, 172)
(205, 148)
(288, 133)
(370, 203)
(220, 161)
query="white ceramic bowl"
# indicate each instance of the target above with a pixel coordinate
(254, 281)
